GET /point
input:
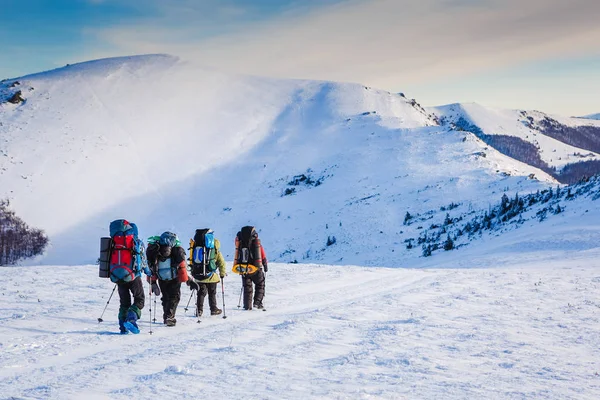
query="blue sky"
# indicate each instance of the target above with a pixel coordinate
(40, 34)
(540, 54)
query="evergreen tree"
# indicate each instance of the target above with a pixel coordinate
(504, 203)
(447, 220)
(426, 250)
(449, 244)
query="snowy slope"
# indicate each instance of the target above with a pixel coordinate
(514, 318)
(185, 147)
(523, 125)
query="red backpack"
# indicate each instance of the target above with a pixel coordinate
(124, 251)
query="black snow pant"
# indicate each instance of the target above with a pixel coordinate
(258, 278)
(136, 287)
(171, 294)
(204, 289)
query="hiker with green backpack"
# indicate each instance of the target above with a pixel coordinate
(205, 258)
(166, 259)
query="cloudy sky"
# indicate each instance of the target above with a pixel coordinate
(534, 54)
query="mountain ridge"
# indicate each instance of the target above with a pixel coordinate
(202, 148)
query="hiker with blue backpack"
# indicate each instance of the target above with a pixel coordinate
(205, 259)
(167, 261)
(122, 259)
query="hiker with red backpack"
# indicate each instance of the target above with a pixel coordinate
(250, 261)
(122, 259)
(205, 258)
(167, 262)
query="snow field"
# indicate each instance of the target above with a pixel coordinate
(519, 331)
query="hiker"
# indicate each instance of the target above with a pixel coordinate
(127, 261)
(251, 262)
(205, 258)
(166, 258)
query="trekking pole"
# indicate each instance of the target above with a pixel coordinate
(110, 297)
(188, 304)
(241, 291)
(154, 319)
(150, 305)
(223, 295)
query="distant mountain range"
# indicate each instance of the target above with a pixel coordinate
(566, 148)
(592, 116)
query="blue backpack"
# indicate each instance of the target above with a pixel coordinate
(203, 254)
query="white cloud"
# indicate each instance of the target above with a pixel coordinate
(383, 43)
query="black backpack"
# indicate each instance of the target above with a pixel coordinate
(164, 256)
(249, 247)
(203, 254)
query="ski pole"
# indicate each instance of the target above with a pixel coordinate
(110, 297)
(241, 291)
(223, 295)
(188, 303)
(150, 305)
(154, 319)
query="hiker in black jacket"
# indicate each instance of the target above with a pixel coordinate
(250, 253)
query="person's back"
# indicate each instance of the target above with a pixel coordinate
(166, 258)
(125, 263)
(207, 268)
(250, 261)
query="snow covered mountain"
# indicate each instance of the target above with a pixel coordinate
(592, 116)
(330, 173)
(326, 171)
(566, 148)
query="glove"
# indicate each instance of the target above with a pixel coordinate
(193, 284)
(155, 289)
(266, 268)
(223, 276)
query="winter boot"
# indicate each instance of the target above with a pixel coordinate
(216, 311)
(122, 328)
(258, 306)
(170, 321)
(131, 323)
(199, 312)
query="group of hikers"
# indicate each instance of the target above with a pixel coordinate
(166, 264)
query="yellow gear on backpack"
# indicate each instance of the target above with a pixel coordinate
(191, 250)
(244, 269)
